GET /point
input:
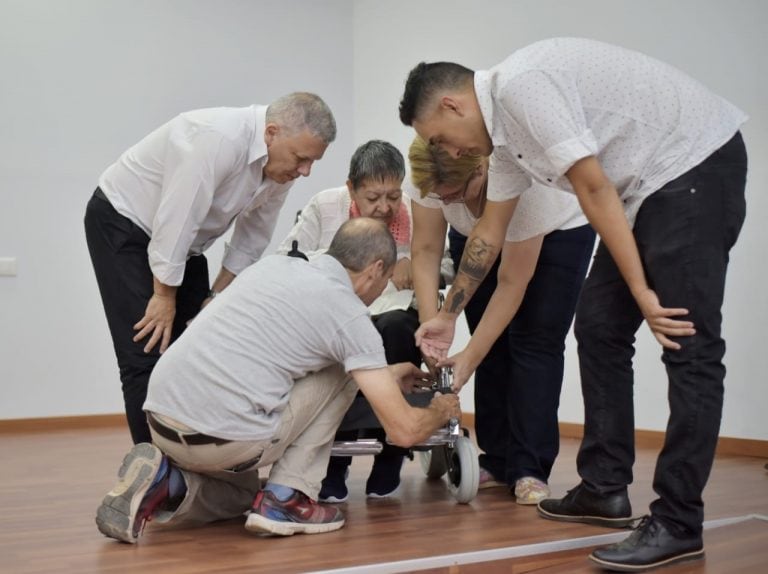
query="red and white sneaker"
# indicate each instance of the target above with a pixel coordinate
(136, 496)
(297, 515)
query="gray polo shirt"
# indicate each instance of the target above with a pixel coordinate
(229, 375)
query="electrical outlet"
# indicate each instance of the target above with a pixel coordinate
(8, 266)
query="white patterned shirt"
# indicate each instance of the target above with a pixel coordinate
(557, 101)
(541, 210)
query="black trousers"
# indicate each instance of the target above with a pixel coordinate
(517, 385)
(118, 251)
(684, 233)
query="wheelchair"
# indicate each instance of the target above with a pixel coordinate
(448, 452)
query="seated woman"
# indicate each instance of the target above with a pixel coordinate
(518, 362)
(373, 189)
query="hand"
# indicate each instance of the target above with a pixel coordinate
(435, 336)
(462, 366)
(401, 276)
(157, 321)
(431, 364)
(659, 321)
(410, 378)
(448, 406)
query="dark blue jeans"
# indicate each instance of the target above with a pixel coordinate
(684, 233)
(517, 385)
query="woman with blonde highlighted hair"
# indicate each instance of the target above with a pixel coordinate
(518, 334)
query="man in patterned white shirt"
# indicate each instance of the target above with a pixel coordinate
(168, 198)
(659, 168)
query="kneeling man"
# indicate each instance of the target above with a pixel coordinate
(263, 376)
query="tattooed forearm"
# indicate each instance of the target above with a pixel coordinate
(477, 260)
(455, 305)
(475, 263)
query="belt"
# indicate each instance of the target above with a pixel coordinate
(193, 438)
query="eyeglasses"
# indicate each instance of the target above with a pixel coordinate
(455, 197)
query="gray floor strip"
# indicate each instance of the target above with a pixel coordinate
(446, 560)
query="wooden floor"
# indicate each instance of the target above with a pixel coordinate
(51, 484)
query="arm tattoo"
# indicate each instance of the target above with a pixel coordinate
(456, 302)
(475, 263)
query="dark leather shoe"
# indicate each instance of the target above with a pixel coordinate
(651, 545)
(580, 505)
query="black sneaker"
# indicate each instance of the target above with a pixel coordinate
(580, 505)
(334, 486)
(384, 479)
(651, 545)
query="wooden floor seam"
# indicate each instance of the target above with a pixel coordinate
(462, 558)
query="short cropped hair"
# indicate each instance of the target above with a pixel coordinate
(376, 160)
(425, 81)
(432, 166)
(361, 241)
(302, 110)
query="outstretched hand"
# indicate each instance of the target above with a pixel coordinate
(660, 320)
(434, 337)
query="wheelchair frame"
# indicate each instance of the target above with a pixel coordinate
(448, 452)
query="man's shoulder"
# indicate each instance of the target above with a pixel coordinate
(231, 123)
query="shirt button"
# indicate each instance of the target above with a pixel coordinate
(693, 190)
(519, 156)
(549, 179)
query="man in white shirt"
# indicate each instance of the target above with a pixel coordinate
(168, 198)
(659, 167)
(263, 376)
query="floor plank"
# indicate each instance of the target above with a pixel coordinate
(52, 483)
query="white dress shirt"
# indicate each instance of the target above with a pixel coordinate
(557, 101)
(186, 182)
(539, 211)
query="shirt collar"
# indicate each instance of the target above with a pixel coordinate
(258, 148)
(483, 91)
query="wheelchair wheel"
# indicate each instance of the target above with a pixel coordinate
(434, 462)
(463, 470)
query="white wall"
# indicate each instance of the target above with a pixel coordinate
(723, 44)
(81, 81)
(84, 79)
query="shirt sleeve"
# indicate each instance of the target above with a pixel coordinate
(195, 165)
(548, 104)
(253, 231)
(359, 346)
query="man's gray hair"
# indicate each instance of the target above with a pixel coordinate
(302, 110)
(361, 241)
(376, 160)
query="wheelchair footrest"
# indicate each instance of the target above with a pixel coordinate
(356, 447)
